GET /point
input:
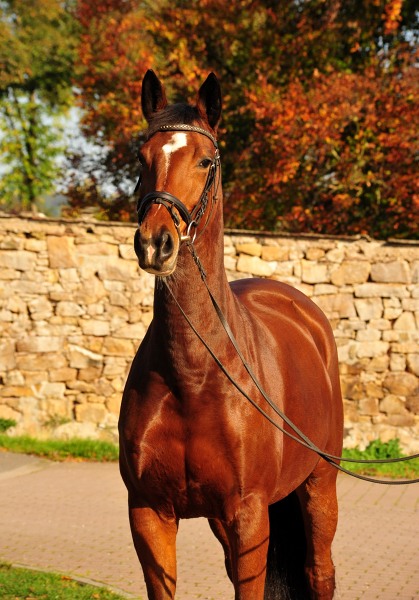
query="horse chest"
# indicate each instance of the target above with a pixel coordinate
(182, 464)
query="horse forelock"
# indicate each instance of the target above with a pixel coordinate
(175, 114)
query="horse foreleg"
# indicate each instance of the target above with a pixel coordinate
(155, 542)
(317, 495)
(220, 533)
(248, 540)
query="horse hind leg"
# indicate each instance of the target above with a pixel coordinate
(245, 540)
(221, 535)
(285, 576)
(317, 495)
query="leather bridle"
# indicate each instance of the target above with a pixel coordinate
(172, 203)
(192, 219)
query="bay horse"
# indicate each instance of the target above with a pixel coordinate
(190, 443)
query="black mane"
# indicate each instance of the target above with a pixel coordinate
(175, 114)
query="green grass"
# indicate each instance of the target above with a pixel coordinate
(60, 450)
(378, 450)
(100, 451)
(5, 424)
(23, 584)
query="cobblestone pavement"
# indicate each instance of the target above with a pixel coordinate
(72, 517)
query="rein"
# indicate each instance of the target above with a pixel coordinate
(192, 219)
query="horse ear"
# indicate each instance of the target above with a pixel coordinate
(208, 101)
(153, 96)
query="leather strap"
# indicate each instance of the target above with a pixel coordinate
(192, 128)
(157, 198)
(304, 441)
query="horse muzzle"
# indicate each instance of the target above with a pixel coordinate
(157, 253)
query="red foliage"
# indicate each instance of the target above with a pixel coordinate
(321, 105)
(339, 154)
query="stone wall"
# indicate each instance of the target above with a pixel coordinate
(74, 307)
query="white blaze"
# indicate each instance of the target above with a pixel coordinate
(150, 252)
(178, 141)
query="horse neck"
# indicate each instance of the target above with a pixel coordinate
(190, 291)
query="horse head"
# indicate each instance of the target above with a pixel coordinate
(179, 164)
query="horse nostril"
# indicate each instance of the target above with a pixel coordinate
(137, 243)
(165, 244)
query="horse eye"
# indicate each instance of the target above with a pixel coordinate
(205, 163)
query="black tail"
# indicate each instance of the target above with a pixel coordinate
(285, 579)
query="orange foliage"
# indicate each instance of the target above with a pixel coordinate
(321, 105)
(340, 155)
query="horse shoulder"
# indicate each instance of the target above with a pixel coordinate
(278, 304)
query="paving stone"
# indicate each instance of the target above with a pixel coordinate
(72, 517)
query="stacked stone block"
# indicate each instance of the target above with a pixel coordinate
(74, 307)
(369, 290)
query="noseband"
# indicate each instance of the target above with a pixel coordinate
(171, 202)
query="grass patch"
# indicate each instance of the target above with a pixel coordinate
(60, 450)
(100, 451)
(5, 424)
(23, 584)
(377, 450)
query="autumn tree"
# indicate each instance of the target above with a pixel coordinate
(320, 102)
(37, 51)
